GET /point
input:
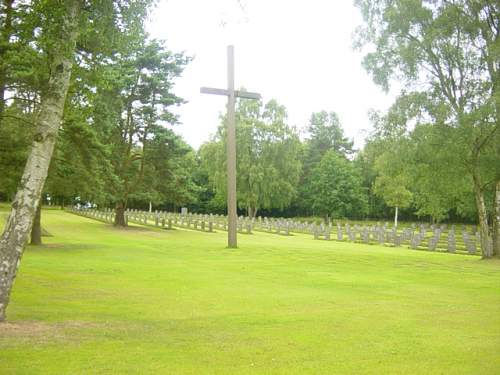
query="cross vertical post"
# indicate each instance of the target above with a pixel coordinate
(232, 94)
(232, 214)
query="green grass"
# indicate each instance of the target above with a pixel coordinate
(99, 300)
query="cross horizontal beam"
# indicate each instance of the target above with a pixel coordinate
(224, 92)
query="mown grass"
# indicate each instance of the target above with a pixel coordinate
(99, 300)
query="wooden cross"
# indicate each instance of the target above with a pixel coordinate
(231, 94)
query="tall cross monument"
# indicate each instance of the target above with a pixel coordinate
(231, 94)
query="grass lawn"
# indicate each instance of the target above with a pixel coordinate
(99, 300)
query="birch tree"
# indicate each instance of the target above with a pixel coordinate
(63, 33)
(447, 52)
(268, 157)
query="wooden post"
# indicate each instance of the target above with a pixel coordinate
(231, 94)
(231, 153)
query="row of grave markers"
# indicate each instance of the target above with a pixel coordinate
(421, 236)
(166, 220)
(415, 239)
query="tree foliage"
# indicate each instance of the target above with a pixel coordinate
(336, 188)
(325, 134)
(268, 164)
(447, 55)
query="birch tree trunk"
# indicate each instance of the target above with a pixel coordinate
(251, 212)
(496, 221)
(482, 216)
(20, 221)
(396, 217)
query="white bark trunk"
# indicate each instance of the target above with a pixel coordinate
(396, 218)
(482, 217)
(496, 221)
(20, 221)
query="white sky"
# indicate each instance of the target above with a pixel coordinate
(297, 52)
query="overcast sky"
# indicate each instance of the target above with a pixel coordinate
(297, 52)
